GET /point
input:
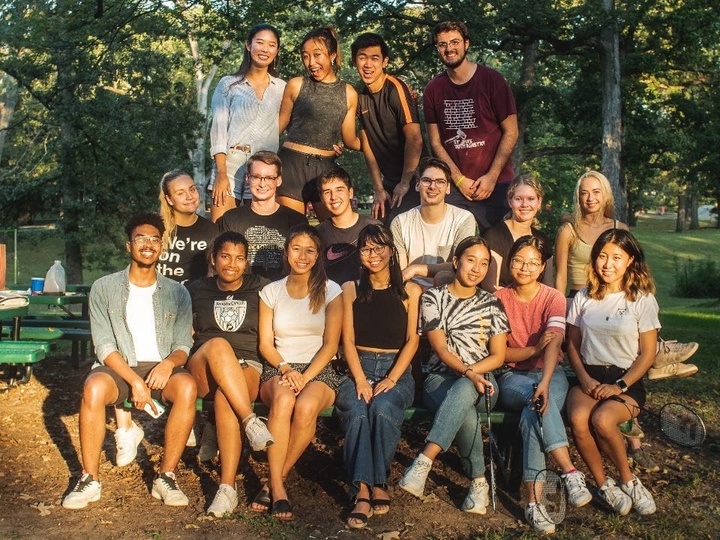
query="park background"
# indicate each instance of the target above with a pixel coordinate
(99, 98)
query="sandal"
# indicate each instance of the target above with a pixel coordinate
(282, 507)
(383, 504)
(359, 516)
(262, 500)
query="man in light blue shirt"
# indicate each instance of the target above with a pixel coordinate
(141, 325)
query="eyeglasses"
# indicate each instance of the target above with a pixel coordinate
(256, 178)
(144, 239)
(454, 43)
(427, 182)
(377, 250)
(519, 264)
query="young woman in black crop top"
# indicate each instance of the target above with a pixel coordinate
(379, 341)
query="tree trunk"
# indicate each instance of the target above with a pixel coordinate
(612, 110)
(527, 81)
(202, 89)
(693, 210)
(70, 181)
(680, 221)
(8, 101)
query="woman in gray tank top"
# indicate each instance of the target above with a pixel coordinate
(317, 113)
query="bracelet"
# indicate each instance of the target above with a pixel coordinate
(465, 372)
(389, 379)
(460, 180)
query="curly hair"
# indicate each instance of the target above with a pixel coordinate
(637, 279)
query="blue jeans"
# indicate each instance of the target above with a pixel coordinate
(456, 403)
(516, 391)
(372, 430)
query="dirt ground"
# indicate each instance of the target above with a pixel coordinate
(39, 457)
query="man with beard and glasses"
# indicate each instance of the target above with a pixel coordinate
(472, 126)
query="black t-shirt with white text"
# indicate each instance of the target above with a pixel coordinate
(185, 259)
(232, 315)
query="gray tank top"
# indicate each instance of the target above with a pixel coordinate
(318, 114)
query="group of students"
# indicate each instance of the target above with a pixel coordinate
(277, 341)
(278, 330)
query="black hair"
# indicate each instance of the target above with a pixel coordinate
(246, 61)
(369, 39)
(381, 235)
(429, 161)
(228, 237)
(144, 218)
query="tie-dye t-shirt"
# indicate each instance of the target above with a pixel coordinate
(468, 323)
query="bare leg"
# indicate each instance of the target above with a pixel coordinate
(609, 437)
(213, 366)
(228, 438)
(281, 401)
(123, 417)
(580, 407)
(181, 391)
(312, 400)
(99, 392)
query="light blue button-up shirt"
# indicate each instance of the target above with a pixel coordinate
(239, 117)
(172, 310)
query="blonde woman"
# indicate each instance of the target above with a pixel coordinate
(525, 196)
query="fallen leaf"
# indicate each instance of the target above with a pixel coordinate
(192, 526)
(42, 508)
(390, 535)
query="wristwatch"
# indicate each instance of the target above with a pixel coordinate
(281, 364)
(622, 385)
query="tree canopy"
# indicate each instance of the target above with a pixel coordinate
(99, 98)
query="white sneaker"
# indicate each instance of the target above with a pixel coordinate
(537, 516)
(578, 493)
(615, 497)
(672, 352)
(672, 370)
(478, 497)
(642, 500)
(87, 490)
(166, 489)
(258, 435)
(225, 501)
(208, 443)
(126, 443)
(413, 481)
(192, 439)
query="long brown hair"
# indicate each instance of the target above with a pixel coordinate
(637, 279)
(318, 279)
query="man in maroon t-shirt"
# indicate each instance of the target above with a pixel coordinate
(472, 126)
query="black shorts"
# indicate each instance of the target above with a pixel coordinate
(142, 369)
(299, 168)
(610, 374)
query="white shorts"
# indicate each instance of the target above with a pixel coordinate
(236, 165)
